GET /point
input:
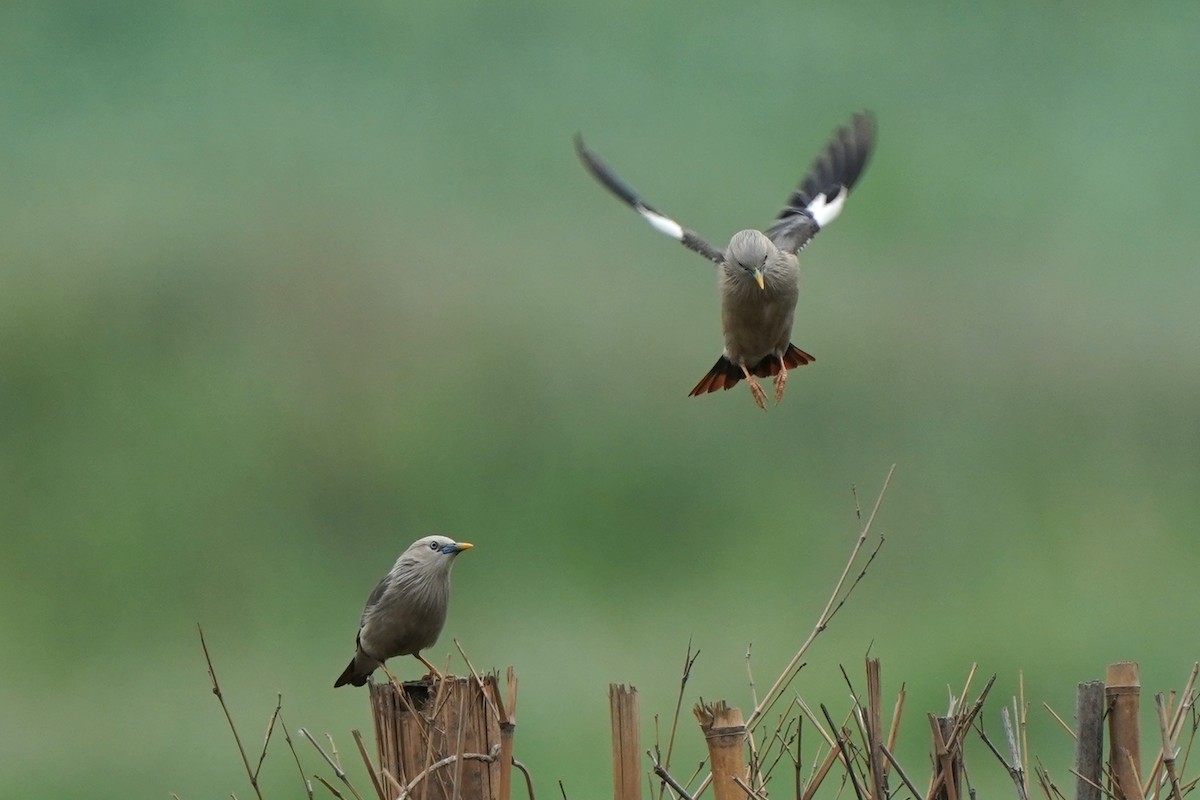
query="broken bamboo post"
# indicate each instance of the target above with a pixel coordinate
(1089, 740)
(875, 729)
(1122, 690)
(725, 735)
(626, 742)
(439, 739)
(947, 750)
(507, 711)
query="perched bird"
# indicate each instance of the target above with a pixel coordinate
(407, 609)
(758, 275)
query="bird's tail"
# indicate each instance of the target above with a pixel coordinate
(725, 374)
(359, 669)
(793, 357)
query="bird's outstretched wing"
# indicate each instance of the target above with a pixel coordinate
(659, 221)
(819, 198)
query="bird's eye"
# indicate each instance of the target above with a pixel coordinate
(434, 545)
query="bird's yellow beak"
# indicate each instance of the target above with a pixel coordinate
(464, 546)
(758, 276)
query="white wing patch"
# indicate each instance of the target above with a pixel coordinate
(662, 224)
(826, 211)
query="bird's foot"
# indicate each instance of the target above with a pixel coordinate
(780, 384)
(760, 397)
(756, 391)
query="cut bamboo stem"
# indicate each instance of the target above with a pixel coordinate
(1089, 740)
(626, 742)
(508, 728)
(948, 758)
(875, 730)
(1169, 749)
(419, 725)
(1122, 690)
(725, 736)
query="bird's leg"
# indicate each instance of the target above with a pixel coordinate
(432, 669)
(780, 381)
(760, 396)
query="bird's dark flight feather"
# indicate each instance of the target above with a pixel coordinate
(609, 179)
(838, 167)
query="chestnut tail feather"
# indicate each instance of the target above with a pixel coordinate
(725, 374)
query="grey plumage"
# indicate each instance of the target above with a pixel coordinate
(406, 610)
(758, 275)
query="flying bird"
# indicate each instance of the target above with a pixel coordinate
(406, 610)
(758, 272)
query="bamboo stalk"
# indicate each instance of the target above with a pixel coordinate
(1123, 690)
(1089, 741)
(626, 743)
(948, 758)
(508, 728)
(725, 736)
(875, 729)
(1169, 749)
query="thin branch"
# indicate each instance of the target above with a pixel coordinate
(308, 787)
(823, 619)
(689, 659)
(666, 778)
(750, 675)
(371, 771)
(445, 762)
(741, 784)
(841, 743)
(267, 739)
(334, 765)
(329, 786)
(1061, 721)
(482, 688)
(528, 780)
(899, 770)
(216, 689)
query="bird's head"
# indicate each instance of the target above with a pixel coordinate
(435, 552)
(748, 253)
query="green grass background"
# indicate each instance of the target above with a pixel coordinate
(288, 285)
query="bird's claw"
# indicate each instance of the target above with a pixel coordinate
(780, 385)
(760, 397)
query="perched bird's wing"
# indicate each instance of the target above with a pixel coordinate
(819, 198)
(658, 220)
(374, 598)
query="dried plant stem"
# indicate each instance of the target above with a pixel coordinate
(842, 746)
(689, 659)
(874, 729)
(308, 789)
(406, 790)
(823, 620)
(1169, 748)
(333, 764)
(371, 771)
(900, 771)
(1176, 725)
(667, 780)
(741, 784)
(251, 774)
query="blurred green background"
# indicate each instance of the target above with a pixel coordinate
(286, 286)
